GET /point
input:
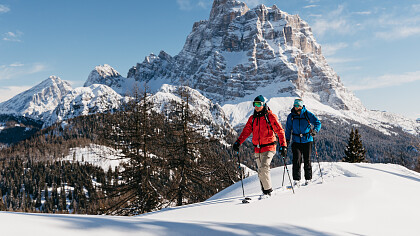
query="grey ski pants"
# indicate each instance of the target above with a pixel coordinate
(263, 163)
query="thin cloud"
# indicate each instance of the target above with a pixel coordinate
(416, 7)
(395, 26)
(386, 81)
(331, 49)
(4, 9)
(7, 92)
(13, 37)
(334, 21)
(315, 15)
(17, 70)
(184, 4)
(311, 6)
(187, 5)
(204, 4)
(339, 60)
(362, 13)
(399, 33)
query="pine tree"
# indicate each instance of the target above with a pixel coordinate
(355, 152)
(134, 134)
(193, 166)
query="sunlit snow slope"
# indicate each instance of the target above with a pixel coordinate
(354, 199)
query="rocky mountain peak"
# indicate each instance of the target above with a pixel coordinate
(53, 82)
(239, 50)
(227, 10)
(102, 74)
(39, 101)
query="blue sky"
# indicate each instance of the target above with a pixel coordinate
(373, 45)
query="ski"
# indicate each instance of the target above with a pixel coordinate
(246, 200)
(264, 196)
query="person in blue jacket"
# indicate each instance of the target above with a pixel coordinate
(298, 126)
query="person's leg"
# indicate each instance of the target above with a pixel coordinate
(297, 160)
(307, 166)
(263, 163)
(258, 161)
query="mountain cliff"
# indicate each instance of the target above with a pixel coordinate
(239, 50)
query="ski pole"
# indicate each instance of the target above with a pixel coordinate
(285, 166)
(245, 200)
(284, 169)
(282, 182)
(317, 158)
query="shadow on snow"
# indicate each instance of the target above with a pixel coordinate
(125, 225)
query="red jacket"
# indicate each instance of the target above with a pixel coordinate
(262, 133)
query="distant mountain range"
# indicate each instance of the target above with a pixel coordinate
(227, 60)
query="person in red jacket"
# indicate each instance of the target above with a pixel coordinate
(264, 126)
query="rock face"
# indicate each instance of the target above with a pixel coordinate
(239, 50)
(38, 102)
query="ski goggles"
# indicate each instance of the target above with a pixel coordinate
(258, 104)
(297, 105)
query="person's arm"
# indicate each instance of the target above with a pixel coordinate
(278, 129)
(315, 121)
(288, 127)
(246, 131)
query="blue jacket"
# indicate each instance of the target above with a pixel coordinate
(298, 127)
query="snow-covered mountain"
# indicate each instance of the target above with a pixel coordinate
(105, 74)
(354, 199)
(97, 98)
(38, 102)
(209, 112)
(239, 50)
(234, 56)
(240, 53)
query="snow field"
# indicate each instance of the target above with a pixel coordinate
(354, 199)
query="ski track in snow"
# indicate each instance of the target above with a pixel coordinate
(354, 199)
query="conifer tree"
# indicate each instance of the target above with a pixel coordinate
(193, 165)
(355, 152)
(135, 134)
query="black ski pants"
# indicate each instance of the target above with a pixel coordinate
(299, 150)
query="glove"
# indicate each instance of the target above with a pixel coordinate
(283, 151)
(313, 133)
(236, 146)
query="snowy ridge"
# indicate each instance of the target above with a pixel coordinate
(105, 74)
(238, 112)
(38, 102)
(199, 104)
(97, 98)
(354, 199)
